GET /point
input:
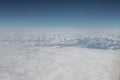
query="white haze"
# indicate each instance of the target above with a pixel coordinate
(35, 55)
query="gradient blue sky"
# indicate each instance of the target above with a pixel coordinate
(60, 13)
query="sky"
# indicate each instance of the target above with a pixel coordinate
(59, 14)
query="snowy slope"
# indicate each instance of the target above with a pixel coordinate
(59, 56)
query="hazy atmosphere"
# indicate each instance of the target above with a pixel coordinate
(59, 40)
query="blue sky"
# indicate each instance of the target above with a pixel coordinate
(60, 13)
